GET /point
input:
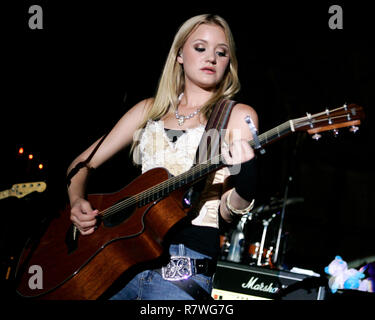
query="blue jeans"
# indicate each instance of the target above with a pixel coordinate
(149, 285)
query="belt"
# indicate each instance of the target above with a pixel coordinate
(180, 268)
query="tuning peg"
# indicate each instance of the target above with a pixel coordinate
(316, 136)
(335, 132)
(354, 129)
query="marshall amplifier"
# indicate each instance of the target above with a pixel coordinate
(234, 281)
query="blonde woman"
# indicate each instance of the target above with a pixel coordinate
(201, 69)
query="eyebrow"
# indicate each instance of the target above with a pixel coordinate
(220, 44)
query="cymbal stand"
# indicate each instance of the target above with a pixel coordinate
(263, 240)
(276, 255)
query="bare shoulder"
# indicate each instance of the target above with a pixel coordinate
(241, 109)
(239, 112)
(131, 120)
(142, 107)
(135, 115)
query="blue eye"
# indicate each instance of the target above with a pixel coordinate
(221, 54)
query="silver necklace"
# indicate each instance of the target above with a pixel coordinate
(181, 119)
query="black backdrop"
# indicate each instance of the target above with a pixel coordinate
(66, 85)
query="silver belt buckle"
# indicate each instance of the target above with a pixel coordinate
(178, 268)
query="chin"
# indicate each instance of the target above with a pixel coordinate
(210, 86)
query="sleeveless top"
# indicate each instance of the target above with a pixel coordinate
(157, 150)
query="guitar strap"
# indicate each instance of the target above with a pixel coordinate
(210, 144)
(82, 164)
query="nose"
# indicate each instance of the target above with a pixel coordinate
(211, 56)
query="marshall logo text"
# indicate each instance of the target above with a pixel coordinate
(253, 285)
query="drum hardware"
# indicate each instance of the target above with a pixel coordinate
(276, 204)
(275, 258)
(224, 246)
(237, 241)
(266, 223)
(254, 250)
(236, 245)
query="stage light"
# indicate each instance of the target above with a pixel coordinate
(20, 150)
(40, 166)
(31, 156)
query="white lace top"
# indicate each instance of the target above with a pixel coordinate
(157, 150)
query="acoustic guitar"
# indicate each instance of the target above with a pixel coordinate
(133, 222)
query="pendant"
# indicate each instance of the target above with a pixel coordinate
(181, 120)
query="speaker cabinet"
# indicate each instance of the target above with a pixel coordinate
(233, 281)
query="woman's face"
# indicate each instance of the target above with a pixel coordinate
(205, 56)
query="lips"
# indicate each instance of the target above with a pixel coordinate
(209, 70)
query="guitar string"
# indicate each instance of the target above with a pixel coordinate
(177, 179)
(306, 118)
(196, 169)
(320, 120)
(190, 173)
(162, 186)
(152, 190)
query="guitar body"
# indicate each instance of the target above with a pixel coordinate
(99, 259)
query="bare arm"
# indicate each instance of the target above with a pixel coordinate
(82, 215)
(238, 136)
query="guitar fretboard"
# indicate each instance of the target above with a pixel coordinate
(166, 187)
(194, 174)
(273, 134)
(200, 170)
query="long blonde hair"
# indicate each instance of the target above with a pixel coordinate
(172, 80)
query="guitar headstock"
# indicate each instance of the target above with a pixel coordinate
(20, 190)
(345, 116)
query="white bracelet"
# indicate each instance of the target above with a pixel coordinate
(234, 211)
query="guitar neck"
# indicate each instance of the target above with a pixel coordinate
(4, 194)
(195, 174)
(273, 134)
(164, 188)
(199, 171)
(344, 116)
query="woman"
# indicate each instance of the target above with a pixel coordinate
(201, 69)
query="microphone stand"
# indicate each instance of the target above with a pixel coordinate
(277, 248)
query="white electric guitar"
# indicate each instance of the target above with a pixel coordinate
(22, 189)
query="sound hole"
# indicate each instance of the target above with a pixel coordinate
(117, 215)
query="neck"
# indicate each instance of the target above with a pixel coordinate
(195, 97)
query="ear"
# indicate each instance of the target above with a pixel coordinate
(180, 58)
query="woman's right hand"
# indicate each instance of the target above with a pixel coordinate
(83, 216)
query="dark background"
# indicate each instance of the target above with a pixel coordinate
(66, 85)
